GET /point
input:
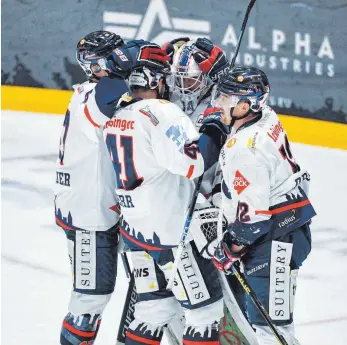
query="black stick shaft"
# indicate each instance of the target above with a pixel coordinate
(243, 27)
(129, 303)
(241, 278)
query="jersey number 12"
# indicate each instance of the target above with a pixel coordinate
(123, 167)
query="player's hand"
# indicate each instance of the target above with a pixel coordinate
(172, 46)
(120, 63)
(147, 54)
(137, 53)
(213, 125)
(210, 58)
(223, 256)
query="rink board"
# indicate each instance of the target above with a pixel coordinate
(50, 101)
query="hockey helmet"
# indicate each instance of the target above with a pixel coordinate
(92, 51)
(243, 83)
(148, 79)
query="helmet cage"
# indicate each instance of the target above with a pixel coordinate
(191, 87)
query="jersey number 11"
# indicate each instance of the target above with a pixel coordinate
(125, 166)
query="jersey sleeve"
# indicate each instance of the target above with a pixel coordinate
(174, 142)
(246, 191)
(101, 101)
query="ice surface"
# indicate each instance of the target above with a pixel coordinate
(35, 266)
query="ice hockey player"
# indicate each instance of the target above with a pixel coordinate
(156, 153)
(265, 200)
(85, 201)
(196, 67)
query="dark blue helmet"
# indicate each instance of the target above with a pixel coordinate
(245, 82)
(92, 50)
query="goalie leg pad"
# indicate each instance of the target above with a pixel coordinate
(197, 281)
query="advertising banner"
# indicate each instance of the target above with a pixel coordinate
(302, 46)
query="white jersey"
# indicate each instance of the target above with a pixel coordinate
(209, 181)
(154, 170)
(264, 189)
(85, 187)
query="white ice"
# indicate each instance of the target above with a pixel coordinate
(35, 266)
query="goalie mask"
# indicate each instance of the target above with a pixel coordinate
(242, 84)
(188, 81)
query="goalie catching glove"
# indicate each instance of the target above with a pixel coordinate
(203, 229)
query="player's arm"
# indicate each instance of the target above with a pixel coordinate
(178, 146)
(104, 98)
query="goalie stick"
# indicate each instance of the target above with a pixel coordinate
(181, 244)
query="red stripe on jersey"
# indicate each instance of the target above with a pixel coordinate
(87, 114)
(78, 332)
(62, 225)
(190, 172)
(284, 208)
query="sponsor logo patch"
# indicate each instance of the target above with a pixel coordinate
(240, 183)
(231, 142)
(147, 112)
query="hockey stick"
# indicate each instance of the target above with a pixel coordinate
(129, 303)
(249, 291)
(229, 298)
(181, 244)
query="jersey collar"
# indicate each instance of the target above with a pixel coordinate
(250, 122)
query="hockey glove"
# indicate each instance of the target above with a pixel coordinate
(172, 46)
(211, 59)
(137, 53)
(223, 256)
(213, 126)
(147, 54)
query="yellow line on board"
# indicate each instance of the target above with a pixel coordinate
(35, 100)
(49, 101)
